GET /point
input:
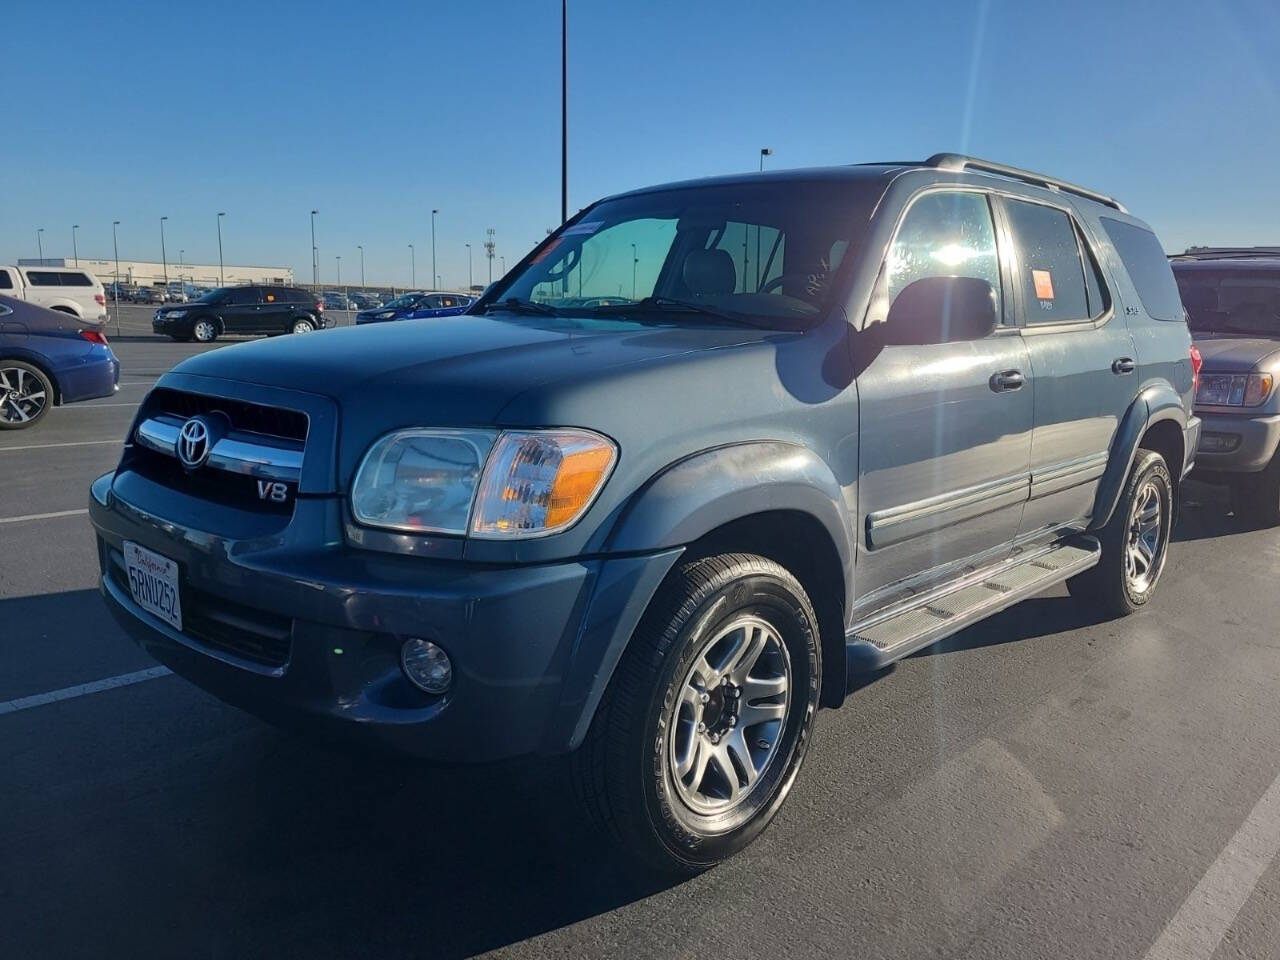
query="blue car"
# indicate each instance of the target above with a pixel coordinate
(417, 306)
(49, 358)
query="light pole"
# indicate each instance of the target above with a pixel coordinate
(504, 265)
(75, 252)
(634, 261)
(338, 260)
(115, 245)
(315, 255)
(433, 248)
(181, 259)
(40, 244)
(221, 280)
(413, 267)
(361, 249)
(164, 260)
(470, 282)
(764, 152)
(564, 110)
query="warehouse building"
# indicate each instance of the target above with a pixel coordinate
(149, 273)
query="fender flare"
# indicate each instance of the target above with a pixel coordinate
(1152, 405)
(680, 504)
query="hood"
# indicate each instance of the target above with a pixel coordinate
(1228, 354)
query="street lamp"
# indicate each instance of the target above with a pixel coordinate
(361, 249)
(765, 152)
(634, 261)
(433, 247)
(338, 258)
(75, 252)
(413, 267)
(40, 244)
(164, 260)
(115, 245)
(315, 255)
(470, 282)
(221, 280)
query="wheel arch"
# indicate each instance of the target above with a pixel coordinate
(39, 362)
(1155, 421)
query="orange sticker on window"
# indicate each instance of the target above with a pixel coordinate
(270, 297)
(1043, 280)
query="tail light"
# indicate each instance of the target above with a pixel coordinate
(1197, 362)
(319, 306)
(100, 299)
(94, 336)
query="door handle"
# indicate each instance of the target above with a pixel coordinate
(1007, 380)
(1123, 365)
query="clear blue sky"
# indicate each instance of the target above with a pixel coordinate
(375, 112)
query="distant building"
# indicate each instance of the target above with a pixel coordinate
(148, 273)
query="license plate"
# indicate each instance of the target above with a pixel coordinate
(153, 581)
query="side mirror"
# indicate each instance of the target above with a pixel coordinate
(941, 310)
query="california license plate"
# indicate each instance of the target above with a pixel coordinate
(153, 581)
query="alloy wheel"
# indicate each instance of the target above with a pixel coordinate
(23, 395)
(1145, 543)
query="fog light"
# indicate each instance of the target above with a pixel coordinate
(426, 665)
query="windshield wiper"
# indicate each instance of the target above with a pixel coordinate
(681, 306)
(516, 305)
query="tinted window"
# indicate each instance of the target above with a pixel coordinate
(1096, 287)
(294, 295)
(1231, 300)
(43, 278)
(946, 234)
(76, 280)
(1052, 275)
(238, 296)
(6, 282)
(1148, 268)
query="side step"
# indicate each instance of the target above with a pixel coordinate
(892, 634)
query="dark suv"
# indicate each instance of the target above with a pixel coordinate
(707, 456)
(248, 309)
(1233, 306)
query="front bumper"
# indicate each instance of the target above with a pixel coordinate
(532, 646)
(1236, 443)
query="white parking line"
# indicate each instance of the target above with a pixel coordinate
(83, 689)
(1207, 914)
(69, 443)
(45, 516)
(97, 406)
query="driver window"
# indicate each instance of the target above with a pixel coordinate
(944, 234)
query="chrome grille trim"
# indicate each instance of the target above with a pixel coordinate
(240, 452)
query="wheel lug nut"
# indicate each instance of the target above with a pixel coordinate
(704, 696)
(702, 728)
(733, 721)
(715, 738)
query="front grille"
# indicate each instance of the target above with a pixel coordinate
(250, 417)
(216, 486)
(242, 631)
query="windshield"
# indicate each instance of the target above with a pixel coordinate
(765, 253)
(214, 296)
(1231, 300)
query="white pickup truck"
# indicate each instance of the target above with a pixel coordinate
(68, 289)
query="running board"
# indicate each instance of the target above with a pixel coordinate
(892, 634)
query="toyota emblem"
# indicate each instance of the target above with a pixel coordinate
(194, 443)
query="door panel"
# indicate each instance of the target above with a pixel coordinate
(1076, 342)
(944, 445)
(241, 313)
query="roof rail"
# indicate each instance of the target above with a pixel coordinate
(959, 162)
(1227, 253)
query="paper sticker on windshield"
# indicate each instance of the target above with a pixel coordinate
(1043, 280)
(585, 228)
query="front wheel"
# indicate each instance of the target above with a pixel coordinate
(204, 331)
(708, 716)
(1135, 542)
(302, 325)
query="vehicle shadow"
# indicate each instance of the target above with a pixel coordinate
(1206, 512)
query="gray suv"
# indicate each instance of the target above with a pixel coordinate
(710, 454)
(1233, 306)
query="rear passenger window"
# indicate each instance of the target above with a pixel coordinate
(43, 278)
(944, 234)
(1148, 268)
(1052, 274)
(6, 282)
(76, 280)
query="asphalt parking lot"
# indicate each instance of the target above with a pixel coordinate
(1041, 785)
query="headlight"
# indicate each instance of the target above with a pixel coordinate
(1234, 390)
(421, 481)
(385, 314)
(518, 483)
(540, 482)
(175, 314)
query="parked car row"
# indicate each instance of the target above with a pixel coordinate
(416, 305)
(247, 309)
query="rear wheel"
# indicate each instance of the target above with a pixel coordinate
(1135, 542)
(302, 325)
(708, 716)
(25, 395)
(204, 331)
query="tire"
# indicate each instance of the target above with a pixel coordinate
(26, 395)
(303, 325)
(1256, 496)
(204, 331)
(1116, 587)
(628, 771)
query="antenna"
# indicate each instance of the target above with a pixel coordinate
(489, 246)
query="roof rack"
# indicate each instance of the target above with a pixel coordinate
(1227, 253)
(959, 162)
